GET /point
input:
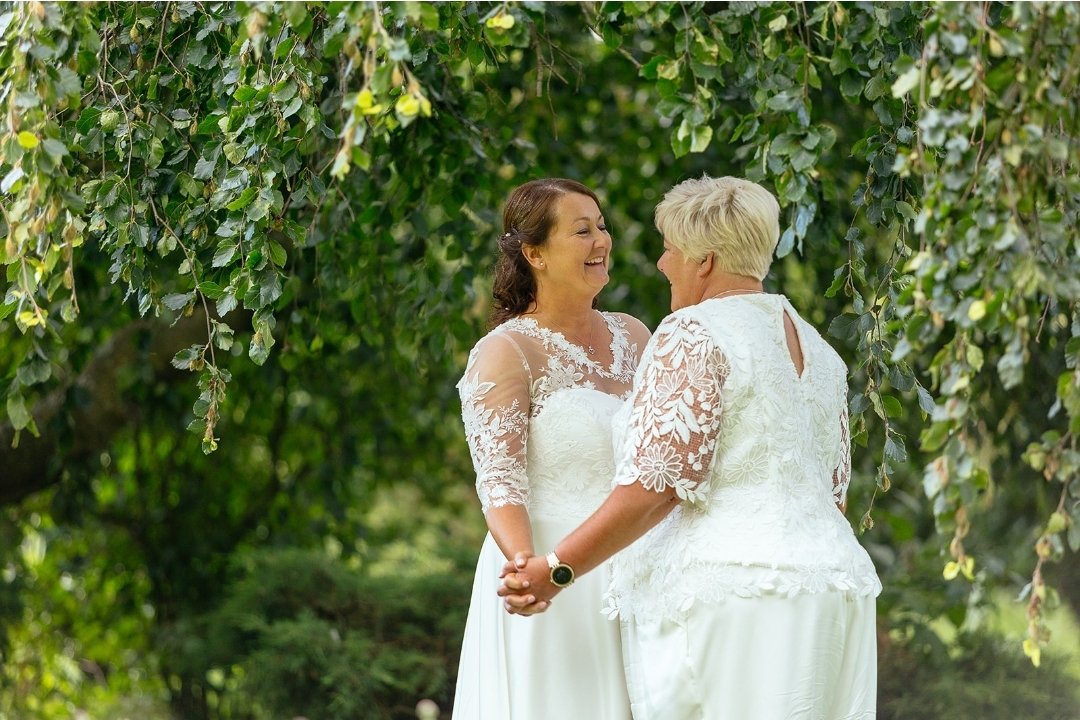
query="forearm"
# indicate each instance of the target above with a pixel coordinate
(629, 512)
(510, 527)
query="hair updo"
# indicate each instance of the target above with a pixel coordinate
(528, 217)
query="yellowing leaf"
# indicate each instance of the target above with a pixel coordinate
(952, 569)
(28, 140)
(778, 23)
(968, 568)
(977, 311)
(1014, 154)
(365, 103)
(502, 21)
(905, 83)
(1058, 522)
(408, 106)
(1031, 649)
(33, 548)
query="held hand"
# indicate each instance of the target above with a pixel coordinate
(519, 562)
(535, 576)
(524, 605)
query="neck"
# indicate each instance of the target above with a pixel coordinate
(569, 313)
(723, 284)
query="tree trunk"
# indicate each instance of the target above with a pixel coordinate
(79, 420)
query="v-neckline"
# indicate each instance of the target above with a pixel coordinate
(617, 345)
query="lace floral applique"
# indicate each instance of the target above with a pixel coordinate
(560, 376)
(557, 346)
(496, 436)
(842, 474)
(676, 411)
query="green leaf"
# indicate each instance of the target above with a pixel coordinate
(204, 168)
(284, 47)
(11, 178)
(906, 210)
(277, 254)
(16, 409)
(286, 91)
(875, 88)
(244, 200)
(235, 153)
(157, 151)
(225, 253)
(178, 300)
(189, 358)
(210, 289)
(700, 137)
(88, 120)
(843, 326)
(892, 406)
(209, 124)
(55, 148)
(263, 337)
(895, 449)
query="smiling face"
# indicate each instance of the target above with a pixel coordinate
(576, 254)
(683, 274)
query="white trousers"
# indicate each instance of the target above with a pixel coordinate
(810, 657)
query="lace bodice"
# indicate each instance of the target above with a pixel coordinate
(758, 453)
(537, 413)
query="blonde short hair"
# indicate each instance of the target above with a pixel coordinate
(734, 219)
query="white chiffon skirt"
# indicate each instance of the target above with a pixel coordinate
(564, 664)
(810, 657)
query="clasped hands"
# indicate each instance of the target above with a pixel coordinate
(526, 587)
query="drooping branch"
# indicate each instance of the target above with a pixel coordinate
(78, 421)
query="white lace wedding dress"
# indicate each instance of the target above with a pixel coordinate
(752, 600)
(537, 413)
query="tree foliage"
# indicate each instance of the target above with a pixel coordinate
(273, 224)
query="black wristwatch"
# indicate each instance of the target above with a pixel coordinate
(562, 575)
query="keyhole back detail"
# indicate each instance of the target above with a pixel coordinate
(794, 344)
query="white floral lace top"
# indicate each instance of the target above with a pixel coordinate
(758, 453)
(537, 413)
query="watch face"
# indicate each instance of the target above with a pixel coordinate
(562, 575)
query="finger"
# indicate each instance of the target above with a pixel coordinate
(519, 601)
(534, 609)
(515, 581)
(521, 559)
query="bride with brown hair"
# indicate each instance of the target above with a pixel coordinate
(537, 399)
(740, 586)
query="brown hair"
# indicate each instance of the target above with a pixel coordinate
(528, 217)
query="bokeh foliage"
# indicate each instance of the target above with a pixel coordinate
(272, 224)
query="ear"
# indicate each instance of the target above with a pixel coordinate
(705, 267)
(533, 255)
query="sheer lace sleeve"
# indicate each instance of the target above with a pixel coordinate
(675, 411)
(495, 411)
(842, 474)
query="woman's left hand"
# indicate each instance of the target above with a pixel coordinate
(526, 586)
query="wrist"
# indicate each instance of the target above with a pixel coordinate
(560, 574)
